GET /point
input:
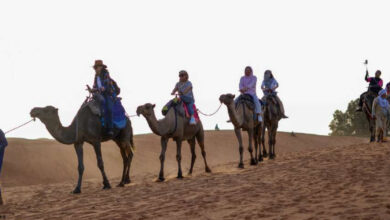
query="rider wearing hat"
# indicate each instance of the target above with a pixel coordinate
(375, 85)
(108, 89)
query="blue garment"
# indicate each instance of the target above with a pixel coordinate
(182, 86)
(3, 144)
(189, 102)
(269, 83)
(108, 115)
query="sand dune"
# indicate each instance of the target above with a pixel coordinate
(313, 177)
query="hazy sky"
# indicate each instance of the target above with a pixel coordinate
(315, 49)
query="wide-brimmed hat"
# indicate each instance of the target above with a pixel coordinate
(99, 63)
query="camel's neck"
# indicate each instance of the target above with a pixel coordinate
(64, 135)
(160, 127)
(236, 116)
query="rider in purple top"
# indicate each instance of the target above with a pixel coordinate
(248, 86)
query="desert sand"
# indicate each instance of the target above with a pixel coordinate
(313, 177)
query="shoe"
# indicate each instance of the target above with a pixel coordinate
(284, 116)
(192, 121)
(229, 121)
(110, 133)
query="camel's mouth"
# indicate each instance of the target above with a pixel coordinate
(34, 113)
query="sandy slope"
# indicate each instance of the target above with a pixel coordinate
(313, 177)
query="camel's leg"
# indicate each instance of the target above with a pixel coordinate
(178, 159)
(200, 139)
(99, 158)
(257, 137)
(79, 151)
(125, 163)
(129, 160)
(164, 142)
(265, 154)
(270, 142)
(191, 142)
(250, 147)
(273, 142)
(240, 148)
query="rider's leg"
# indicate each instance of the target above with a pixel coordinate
(281, 107)
(361, 101)
(110, 105)
(190, 106)
(257, 107)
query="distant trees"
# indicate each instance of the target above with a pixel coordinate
(350, 122)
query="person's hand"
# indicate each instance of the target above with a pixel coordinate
(102, 89)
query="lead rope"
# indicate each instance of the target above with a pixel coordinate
(13, 129)
(208, 115)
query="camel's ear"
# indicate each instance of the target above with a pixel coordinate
(234, 96)
(154, 105)
(56, 109)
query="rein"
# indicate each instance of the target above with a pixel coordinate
(13, 129)
(208, 115)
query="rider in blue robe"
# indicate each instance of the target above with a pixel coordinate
(108, 90)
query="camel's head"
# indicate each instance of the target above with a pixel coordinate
(227, 99)
(145, 110)
(45, 114)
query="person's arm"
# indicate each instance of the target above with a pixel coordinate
(189, 87)
(380, 83)
(174, 90)
(263, 86)
(366, 77)
(241, 86)
(275, 85)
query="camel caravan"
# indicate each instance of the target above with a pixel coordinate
(374, 103)
(102, 117)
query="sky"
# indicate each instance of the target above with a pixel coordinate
(315, 49)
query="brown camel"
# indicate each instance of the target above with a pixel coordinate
(271, 119)
(176, 126)
(242, 118)
(87, 127)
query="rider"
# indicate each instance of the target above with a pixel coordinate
(108, 89)
(248, 86)
(380, 111)
(269, 86)
(375, 86)
(184, 87)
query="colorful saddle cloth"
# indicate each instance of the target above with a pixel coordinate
(184, 110)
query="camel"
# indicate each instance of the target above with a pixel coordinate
(176, 126)
(271, 118)
(368, 99)
(87, 127)
(242, 118)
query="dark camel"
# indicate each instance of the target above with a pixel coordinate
(271, 119)
(176, 126)
(242, 117)
(87, 127)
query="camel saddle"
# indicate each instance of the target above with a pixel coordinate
(180, 107)
(119, 117)
(246, 99)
